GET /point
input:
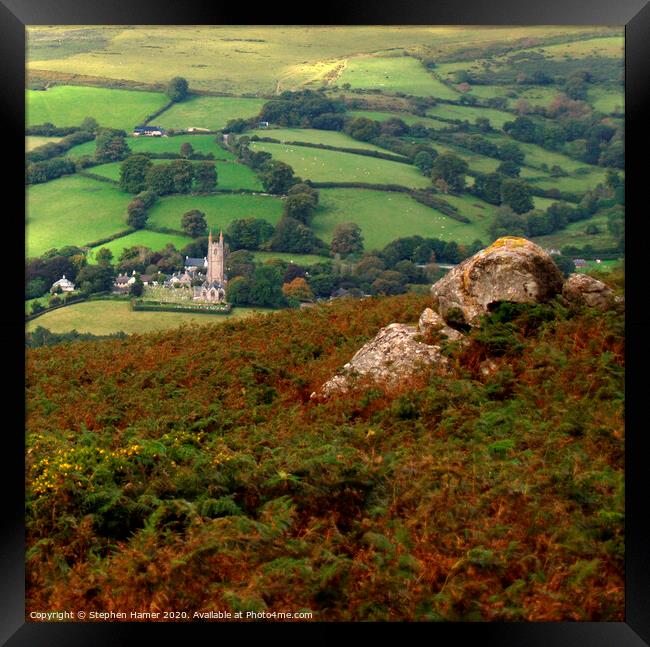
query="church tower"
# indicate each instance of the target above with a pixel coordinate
(215, 260)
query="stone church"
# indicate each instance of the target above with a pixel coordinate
(214, 287)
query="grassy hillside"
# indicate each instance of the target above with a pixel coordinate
(334, 166)
(69, 105)
(394, 74)
(209, 112)
(244, 59)
(383, 217)
(220, 209)
(313, 136)
(73, 210)
(189, 469)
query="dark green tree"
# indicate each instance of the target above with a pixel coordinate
(182, 172)
(248, 233)
(564, 264)
(136, 214)
(133, 173)
(205, 176)
(347, 239)
(177, 89)
(186, 150)
(424, 161)
(451, 169)
(104, 256)
(110, 145)
(194, 224)
(293, 236)
(299, 206)
(509, 168)
(277, 177)
(488, 187)
(95, 278)
(516, 194)
(137, 287)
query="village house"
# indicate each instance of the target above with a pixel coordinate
(195, 264)
(149, 131)
(65, 284)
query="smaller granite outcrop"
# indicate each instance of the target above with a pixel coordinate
(391, 356)
(580, 289)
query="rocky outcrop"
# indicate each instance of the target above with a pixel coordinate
(432, 324)
(511, 269)
(394, 354)
(581, 289)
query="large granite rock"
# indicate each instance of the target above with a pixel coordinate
(586, 290)
(394, 354)
(511, 269)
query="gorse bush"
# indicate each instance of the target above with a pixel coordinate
(191, 468)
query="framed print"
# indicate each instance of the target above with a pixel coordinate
(328, 320)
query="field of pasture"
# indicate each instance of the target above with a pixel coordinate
(105, 317)
(334, 166)
(394, 74)
(314, 136)
(220, 209)
(471, 113)
(73, 210)
(209, 112)
(377, 115)
(385, 216)
(200, 143)
(69, 105)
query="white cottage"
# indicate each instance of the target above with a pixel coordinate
(65, 284)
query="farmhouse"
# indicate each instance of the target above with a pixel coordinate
(149, 131)
(65, 284)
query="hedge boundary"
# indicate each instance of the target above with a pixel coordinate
(157, 306)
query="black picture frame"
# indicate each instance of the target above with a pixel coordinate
(633, 14)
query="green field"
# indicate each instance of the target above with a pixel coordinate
(299, 259)
(313, 136)
(406, 118)
(152, 239)
(34, 141)
(68, 106)
(72, 210)
(208, 112)
(574, 234)
(607, 101)
(471, 113)
(607, 47)
(105, 317)
(333, 166)
(384, 216)
(200, 143)
(220, 209)
(394, 74)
